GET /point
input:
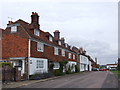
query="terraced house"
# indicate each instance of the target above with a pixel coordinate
(27, 46)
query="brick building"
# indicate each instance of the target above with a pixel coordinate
(26, 46)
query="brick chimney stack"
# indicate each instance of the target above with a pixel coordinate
(62, 40)
(35, 20)
(56, 34)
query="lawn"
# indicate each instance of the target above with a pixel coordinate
(117, 74)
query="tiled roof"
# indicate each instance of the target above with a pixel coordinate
(43, 35)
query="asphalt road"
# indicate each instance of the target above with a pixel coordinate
(97, 79)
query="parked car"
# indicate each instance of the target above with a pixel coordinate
(113, 69)
(100, 69)
(95, 69)
(104, 69)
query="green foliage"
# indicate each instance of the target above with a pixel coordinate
(63, 64)
(69, 70)
(51, 67)
(77, 69)
(58, 72)
(5, 64)
(117, 74)
(118, 67)
(38, 76)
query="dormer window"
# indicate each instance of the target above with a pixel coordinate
(13, 29)
(36, 32)
(50, 38)
(66, 45)
(59, 42)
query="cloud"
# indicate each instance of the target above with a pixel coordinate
(91, 25)
(95, 48)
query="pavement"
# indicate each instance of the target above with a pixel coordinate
(98, 79)
(28, 82)
(24, 83)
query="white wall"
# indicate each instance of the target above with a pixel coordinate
(33, 63)
(84, 62)
(109, 66)
(72, 63)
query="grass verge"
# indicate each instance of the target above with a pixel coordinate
(117, 74)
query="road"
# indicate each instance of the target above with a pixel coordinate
(97, 79)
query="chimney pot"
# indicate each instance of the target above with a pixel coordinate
(57, 34)
(62, 41)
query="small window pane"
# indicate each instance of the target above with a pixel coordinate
(50, 38)
(40, 47)
(69, 55)
(63, 52)
(13, 29)
(36, 32)
(39, 64)
(55, 51)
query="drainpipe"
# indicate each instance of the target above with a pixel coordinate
(29, 46)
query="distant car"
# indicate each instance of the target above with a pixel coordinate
(104, 69)
(113, 69)
(100, 69)
(95, 69)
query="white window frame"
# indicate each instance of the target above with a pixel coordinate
(40, 47)
(59, 42)
(36, 32)
(55, 50)
(73, 56)
(13, 29)
(39, 64)
(66, 45)
(50, 38)
(56, 65)
(63, 52)
(69, 55)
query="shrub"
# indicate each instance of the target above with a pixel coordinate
(118, 67)
(63, 64)
(35, 76)
(69, 70)
(38, 76)
(58, 72)
(51, 67)
(5, 64)
(77, 69)
(48, 75)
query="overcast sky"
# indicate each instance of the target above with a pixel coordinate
(92, 25)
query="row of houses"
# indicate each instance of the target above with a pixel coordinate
(27, 46)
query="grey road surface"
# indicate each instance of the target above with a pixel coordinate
(97, 79)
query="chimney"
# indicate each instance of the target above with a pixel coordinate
(81, 49)
(62, 41)
(35, 20)
(57, 34)
(10, 22)
(96, 60)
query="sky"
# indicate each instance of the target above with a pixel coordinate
(91, 24)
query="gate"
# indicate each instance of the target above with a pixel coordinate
(10, 74)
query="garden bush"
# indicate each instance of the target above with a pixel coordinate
(5, 64)
(38, 76)
(77, 69)
(58, 72)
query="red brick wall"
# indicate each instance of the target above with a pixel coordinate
(48, 53)
(14, 46)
